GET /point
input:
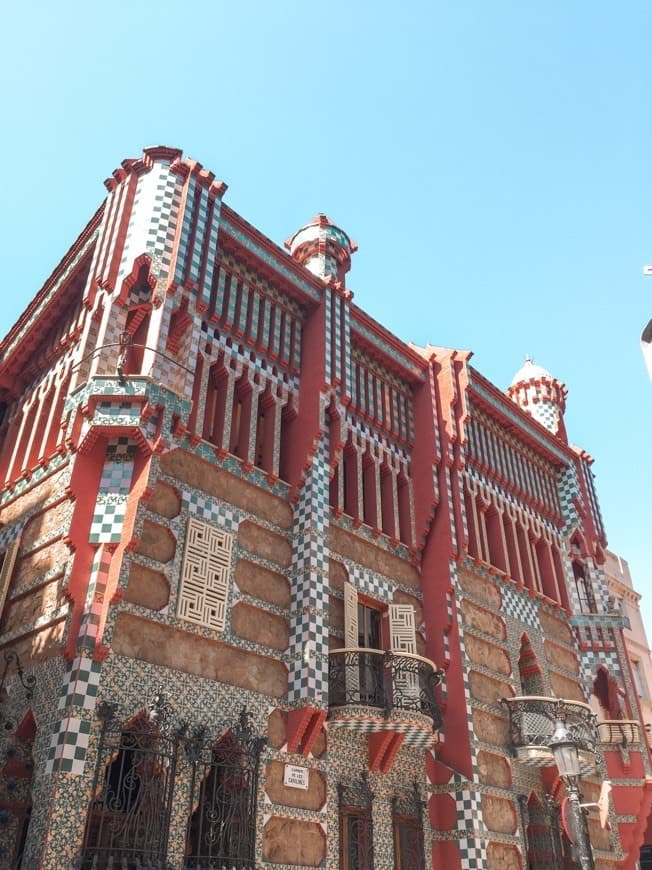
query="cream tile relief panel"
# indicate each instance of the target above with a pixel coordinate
(205, 575)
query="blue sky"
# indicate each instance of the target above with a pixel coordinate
(491, 159)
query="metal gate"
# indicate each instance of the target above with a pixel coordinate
(138, 792)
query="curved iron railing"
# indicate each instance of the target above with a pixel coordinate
(385, 680)
(532, 722)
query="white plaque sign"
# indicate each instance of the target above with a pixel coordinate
(295, 777)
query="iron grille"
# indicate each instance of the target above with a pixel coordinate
(356, 825)
(129, 818)
(137, 792)
(223, 789)
(407, 825)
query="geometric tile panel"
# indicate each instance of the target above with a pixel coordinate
(415, 736)
(204, 588)
(519, 606)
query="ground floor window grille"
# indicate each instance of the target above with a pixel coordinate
(407, 827)
(129, 817)
(149, 774)
(224, 786)
(356, 825)
(547, 847)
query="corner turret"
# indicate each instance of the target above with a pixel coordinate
(540, 395)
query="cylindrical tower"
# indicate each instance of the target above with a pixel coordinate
(323, 248)
(541, 395)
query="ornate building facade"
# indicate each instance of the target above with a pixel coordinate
(283, 589)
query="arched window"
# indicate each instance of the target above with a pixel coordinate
(404, 513)
(241, 418)
(215, 404)
(265, 431)
(222, 827)
(605, 689)
(546, 847)
(351, 480)
(356, 825)
(584, 589)
(129, 816)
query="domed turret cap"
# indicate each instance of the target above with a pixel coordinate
(529, 371)
(323, 248)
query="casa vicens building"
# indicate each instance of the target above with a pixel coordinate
(279, 588)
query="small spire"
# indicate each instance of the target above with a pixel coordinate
(528, 359)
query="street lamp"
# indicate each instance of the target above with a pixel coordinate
(567, 759)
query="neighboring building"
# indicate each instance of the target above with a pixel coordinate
(646, 346)
(626, 602)
(241, 522)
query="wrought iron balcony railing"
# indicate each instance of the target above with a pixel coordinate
(532, 723)
(619, 732)
(388, 681)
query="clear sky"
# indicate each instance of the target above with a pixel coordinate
(491, 159)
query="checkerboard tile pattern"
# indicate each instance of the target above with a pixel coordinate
(81, 683)
(473, 849)
(569, 493)
(110, 507)
(309, 571)
(371, 584)
(11, 533)
(210, 510)
(519, 606)
(590, 661)
(68, 746)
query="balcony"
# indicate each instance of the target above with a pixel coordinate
(619, 732)
(372, 690)
(532, 723)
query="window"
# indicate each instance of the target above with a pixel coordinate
(408, 844)
(139, 793)
(204, 588)
(407, 828)
(130, 813)
(7, 562)
(356, 826)
(369, 627)
(222, 828)
(584, 589)
(639, 680)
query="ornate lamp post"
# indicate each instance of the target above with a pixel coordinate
(564, 749)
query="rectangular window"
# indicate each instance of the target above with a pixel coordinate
(204, 588)
(408, 844)
(639, 681)
(356, 839)
(8, 560)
